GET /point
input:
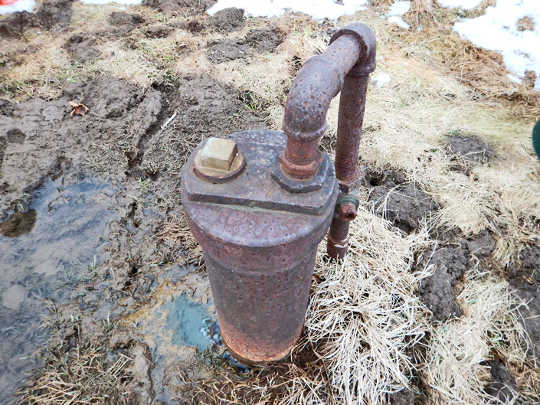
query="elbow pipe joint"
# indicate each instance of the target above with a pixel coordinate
(351, 53)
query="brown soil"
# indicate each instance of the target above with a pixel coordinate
(469, 148)
(180, 7)
(51, 15)
(82, 47)
(255, 41)
(228, 20)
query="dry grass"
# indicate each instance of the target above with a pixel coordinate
(83, 376)
(455, 367)
(367, 313)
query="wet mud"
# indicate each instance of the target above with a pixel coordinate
(46, 251)
(135, 138)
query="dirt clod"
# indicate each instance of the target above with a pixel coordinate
(157, 31)
(401, 202)
(82, 47)
(469, 148)
(51, 15)
(255, 41)
(438, 290)
(177, 6)
(503, 384)
(405, 397)
(125, 19)
(264, 40)
(54, 14)
(225, 50)
(228, 19)
(481, 245)
(15, 135)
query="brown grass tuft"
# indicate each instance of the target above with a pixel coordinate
(83, 376)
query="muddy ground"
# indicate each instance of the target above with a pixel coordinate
(104, 293)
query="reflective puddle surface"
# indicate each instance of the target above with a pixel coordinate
(44, 253)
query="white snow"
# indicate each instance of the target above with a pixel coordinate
(124, 2)
(464, 4)
(396, 12)
(21, 5)
(380, 79)
(318, 9)
(497, 30)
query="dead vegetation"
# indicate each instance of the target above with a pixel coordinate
(79, 370)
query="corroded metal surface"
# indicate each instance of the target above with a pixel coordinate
(259, 242)
(260, 230)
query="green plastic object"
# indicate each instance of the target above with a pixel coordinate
(536, 138)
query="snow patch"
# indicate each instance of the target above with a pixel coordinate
(318, 9)
(464, 4)
(497, 30)
(124, 2)
(396, 12)
(21, 5)
(380, 79)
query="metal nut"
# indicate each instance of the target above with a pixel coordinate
(218, 154)
(219, 161)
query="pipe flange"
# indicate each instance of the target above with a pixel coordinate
(303, 186)
(366, 62)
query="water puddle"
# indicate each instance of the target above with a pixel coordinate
(190, 324)
(45, 252)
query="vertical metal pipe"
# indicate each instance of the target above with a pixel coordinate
(337, 243)
(351, 117)
(352, 105)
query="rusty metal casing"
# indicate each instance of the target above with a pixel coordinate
(260, 222)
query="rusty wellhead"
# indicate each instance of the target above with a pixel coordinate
(260, 202)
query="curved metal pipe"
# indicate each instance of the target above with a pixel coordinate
(349, 58)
